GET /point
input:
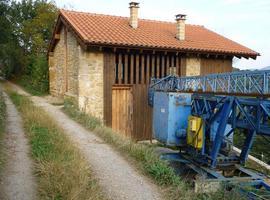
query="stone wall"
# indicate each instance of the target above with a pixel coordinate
(63, 66)
(73, 63)
(193, 66)
(91, 97)
(56, 68)
(77, 73)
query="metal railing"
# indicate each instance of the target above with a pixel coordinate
(253, 83)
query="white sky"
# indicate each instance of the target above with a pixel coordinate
(244, 21)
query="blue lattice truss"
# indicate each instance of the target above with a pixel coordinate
(252, 83)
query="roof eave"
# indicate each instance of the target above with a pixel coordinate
(179, 50)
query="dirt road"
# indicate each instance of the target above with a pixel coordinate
(118, 178)
(17, 180)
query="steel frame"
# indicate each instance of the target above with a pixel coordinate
(219, 99)
(251, 114)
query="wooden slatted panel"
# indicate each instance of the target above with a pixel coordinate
(210, 66)
(108, 79)
(142, 70)
(126, 69)
(132, 69)
(183, 66)
(122, 108)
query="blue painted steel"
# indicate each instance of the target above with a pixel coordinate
(247, 146)
(170, 114)
(228, 132)
(224, 114)
(245, 83)
(221, 116)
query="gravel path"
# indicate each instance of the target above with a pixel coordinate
(119, 180)
(17, 181)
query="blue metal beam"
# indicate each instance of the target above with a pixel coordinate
(247, 146)
(224, 116)
(253, 83)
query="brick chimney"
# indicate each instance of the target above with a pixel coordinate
(180, 26)
(133, 20)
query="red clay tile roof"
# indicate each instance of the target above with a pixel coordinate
(115, 31)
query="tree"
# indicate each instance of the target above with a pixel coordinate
(25, 30)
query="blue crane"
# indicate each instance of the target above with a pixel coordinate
(200, 114)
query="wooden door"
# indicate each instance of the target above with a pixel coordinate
(122, 110)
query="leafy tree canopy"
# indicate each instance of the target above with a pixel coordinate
(25, 30)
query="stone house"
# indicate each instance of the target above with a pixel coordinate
(105, 62)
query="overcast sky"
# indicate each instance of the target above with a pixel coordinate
(244, 21)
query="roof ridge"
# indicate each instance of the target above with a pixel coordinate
(122, 17)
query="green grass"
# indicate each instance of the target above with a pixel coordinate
(2, 128)
(144, 158)
(62, 171)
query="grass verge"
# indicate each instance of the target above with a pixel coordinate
(145, 159)
(2, 127)
(62, 171)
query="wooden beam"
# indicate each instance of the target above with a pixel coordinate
(137, 68)
(163, 66)
(126, 69)
(153, 67)
(120, 69)
(157, 65)
(131, 69)
(167, 65)
(147, 68)
(177, 66)
(142, 69)
(238, 56)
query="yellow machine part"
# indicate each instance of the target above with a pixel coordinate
(195, 132)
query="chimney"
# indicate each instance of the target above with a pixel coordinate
(133, 20)
(180, 26)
